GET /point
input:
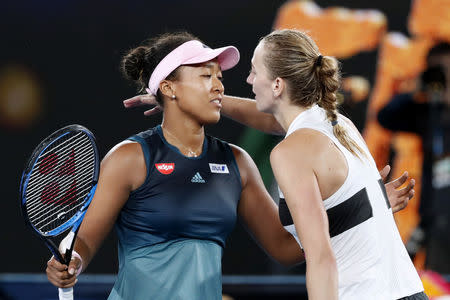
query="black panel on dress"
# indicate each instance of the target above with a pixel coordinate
(341, 217)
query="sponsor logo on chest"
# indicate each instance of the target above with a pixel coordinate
(219, 168)
(165, 168)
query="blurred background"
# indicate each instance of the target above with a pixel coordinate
(59, 65)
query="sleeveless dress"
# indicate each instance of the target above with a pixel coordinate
(173, 228)
(371, 258)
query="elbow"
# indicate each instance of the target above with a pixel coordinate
(288, 252)
(289, 263)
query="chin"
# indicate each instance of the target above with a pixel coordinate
(211, 120)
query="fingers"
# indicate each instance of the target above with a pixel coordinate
(74, 265)
(152, 111)
(140, 100)
(385, 172)
(403, 197)
(403, 201)
(401, 205)
(58, 274)
(407, 191)
(400, 180)
(132, 102)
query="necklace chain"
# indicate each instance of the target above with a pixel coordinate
(190, 153)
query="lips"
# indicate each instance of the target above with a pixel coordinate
(217, 102)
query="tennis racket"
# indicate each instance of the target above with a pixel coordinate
(57, 185)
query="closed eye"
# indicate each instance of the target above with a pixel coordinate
(210, 75)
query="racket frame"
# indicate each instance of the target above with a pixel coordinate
(75, 220)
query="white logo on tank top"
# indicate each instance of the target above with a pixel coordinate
(218, 168)
(197, 178)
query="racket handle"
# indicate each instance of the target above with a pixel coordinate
(65, 294)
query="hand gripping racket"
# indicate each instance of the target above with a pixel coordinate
(57, 185)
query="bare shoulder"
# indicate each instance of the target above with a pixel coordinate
(246, 165)
(125, 160)
(238, 152)
(126, 152)
(243, 159)
(303, 145)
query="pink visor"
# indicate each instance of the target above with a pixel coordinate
(192, 52)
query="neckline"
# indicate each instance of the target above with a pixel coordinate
(176, 150)
(299, 118)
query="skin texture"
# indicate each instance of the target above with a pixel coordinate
(198, 93)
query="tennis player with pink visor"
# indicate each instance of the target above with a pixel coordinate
(173, 192)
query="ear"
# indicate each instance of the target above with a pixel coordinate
(278, 86)
(167, 88)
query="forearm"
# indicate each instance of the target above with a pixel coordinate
(86, 252)
(244, 111)
(322, 279)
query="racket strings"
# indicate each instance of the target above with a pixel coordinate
(63, 144)
(54, 223)
(56, 213)
(49, 197)
(48, 160)
(36, 184)
(53, 210)
(37, 180)
(60, 181)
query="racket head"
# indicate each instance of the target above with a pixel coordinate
(59, 181)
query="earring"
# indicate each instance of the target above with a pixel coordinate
(173, 97)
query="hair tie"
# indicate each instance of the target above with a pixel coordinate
(334, 123)
(319, 61)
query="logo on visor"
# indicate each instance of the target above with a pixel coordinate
(165, 168)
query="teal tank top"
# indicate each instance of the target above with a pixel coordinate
(173, 228)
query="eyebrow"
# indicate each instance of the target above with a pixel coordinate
(209, 65)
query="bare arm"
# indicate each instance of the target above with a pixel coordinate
(293, 167)
(121, 171)
(243, 110)
(260, 214)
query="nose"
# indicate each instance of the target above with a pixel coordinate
(218, 86)
(250, 78)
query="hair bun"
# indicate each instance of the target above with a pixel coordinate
(133, 63)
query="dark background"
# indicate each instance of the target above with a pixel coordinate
(73, 48)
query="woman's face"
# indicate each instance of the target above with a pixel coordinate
(199, 91)
(260, 81)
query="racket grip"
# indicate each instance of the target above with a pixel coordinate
(65, 294)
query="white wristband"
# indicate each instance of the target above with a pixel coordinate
(75, 254)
